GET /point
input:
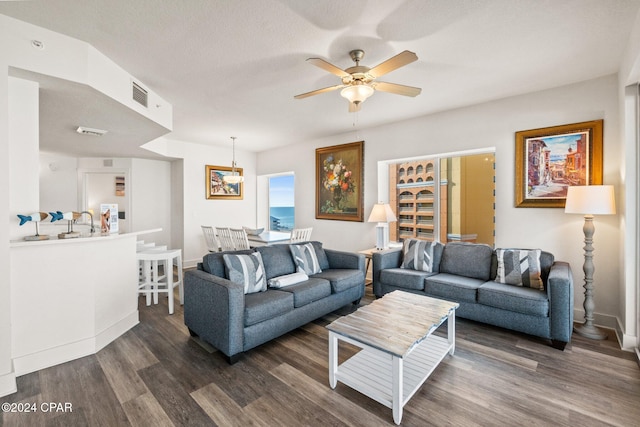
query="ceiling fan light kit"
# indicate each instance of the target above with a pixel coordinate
(357, 93)
(358, 82)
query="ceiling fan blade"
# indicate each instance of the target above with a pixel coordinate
(396, 88)
(400, 60)
(328, 67)
(353, 107)
(318, 91)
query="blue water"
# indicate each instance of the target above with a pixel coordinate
(285, 217)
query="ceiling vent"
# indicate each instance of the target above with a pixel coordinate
(107, 163)
(90, 131)
(140, 95)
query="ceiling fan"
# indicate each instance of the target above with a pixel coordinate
(359, 82)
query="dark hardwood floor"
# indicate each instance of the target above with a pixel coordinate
(156, 375)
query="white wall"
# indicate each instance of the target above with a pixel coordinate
(7, 374)
(58, 181)
(491, 124)
(151, 199)
(23, 148)
(197, 210)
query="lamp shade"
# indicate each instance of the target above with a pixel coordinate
(357, 93)
(590, 200)
(382, 212)
(233, 178)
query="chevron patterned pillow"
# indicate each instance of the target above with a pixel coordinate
(417, 255)
(519, 267)
(246, 270)
(305, 258)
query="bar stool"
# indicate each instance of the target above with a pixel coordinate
(152, 282)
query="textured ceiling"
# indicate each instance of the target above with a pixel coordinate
(233, 67)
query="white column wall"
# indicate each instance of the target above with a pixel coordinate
(7, 373)
(23, 148)
(150, 188)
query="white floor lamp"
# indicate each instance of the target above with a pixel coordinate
(589, 200)
(383, 215)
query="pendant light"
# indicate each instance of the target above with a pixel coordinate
(234, 177)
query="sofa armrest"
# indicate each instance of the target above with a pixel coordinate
(214, 310)
(390, 258)
(560, 292)
(347, 260)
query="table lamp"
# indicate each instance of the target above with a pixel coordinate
(589, 200)
(383, 215)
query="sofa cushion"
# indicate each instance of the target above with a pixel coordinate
(213, 263)
(246, 270)
(320, 253)
(519, 267)
(287, 280)
(467, 259)
(309, 291)
(403, 278)
(342, 279)
(513, 298)
(417, 255)
(452, 287)
(263, 306)
(277, 260)
(305, 258)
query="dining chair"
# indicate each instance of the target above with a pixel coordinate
(300, 235)
(224, 239)
(240, 239)
(210, 238)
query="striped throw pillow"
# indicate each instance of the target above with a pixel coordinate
(246, 270)
(305, 258)
(417, 255)
(519, 267)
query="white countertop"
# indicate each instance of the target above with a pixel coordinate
(84, 238)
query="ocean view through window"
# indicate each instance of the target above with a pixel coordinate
(281, 203)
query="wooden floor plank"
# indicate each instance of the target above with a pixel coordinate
(155, 374)
(145, 410)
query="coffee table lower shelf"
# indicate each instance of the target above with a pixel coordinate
(388, 379)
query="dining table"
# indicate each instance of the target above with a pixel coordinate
(268, 238)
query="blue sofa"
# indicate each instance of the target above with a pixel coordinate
(219, 313)
(465, 273)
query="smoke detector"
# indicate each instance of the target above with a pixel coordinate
(90, 131)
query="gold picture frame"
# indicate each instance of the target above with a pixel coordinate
(549, 160)
(339, 182)
(217, 189)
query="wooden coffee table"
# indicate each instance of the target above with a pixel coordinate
(398, 352)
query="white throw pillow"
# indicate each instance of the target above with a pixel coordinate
(287, 280)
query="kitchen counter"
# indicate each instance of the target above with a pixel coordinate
(70, 297)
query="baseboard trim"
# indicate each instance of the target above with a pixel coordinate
(8, 384)
(55, 356)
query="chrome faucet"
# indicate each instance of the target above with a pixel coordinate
(93, 229)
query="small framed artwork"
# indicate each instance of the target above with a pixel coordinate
(217, 188)
(339, 182)
(549, 160)
(119, 185)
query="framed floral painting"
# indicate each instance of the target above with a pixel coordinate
(339, 182)
(550, 160)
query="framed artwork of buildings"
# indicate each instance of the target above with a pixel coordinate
(217, 188)
(549, 160)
